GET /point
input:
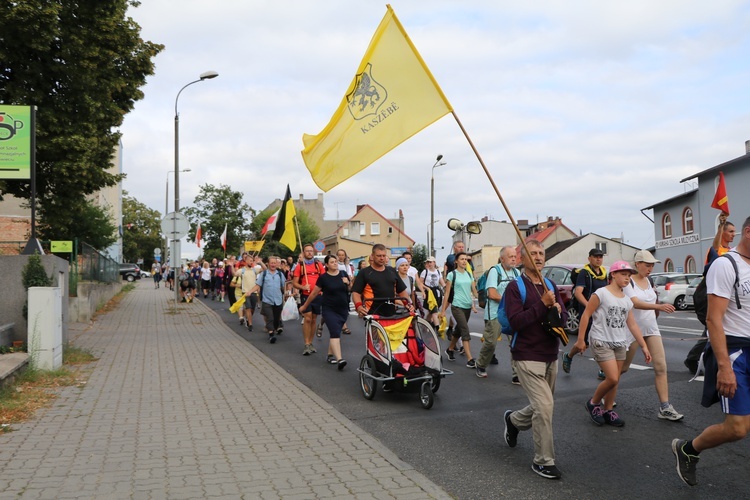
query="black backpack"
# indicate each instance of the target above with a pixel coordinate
(700, 297)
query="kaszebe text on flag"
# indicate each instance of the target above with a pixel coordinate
(392, 97)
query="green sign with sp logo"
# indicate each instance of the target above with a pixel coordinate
(15, 142)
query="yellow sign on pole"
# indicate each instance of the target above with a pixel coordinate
(61, 246)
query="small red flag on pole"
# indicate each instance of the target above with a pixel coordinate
(224, 238)
(198, 235)
(721, 201)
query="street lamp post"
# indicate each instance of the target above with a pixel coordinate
(166, 210)
(438, 163)
(176, 257)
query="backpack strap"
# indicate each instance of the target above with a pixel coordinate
(736, 279)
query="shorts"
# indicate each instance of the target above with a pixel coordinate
(315, 306)
(251, 302)
(740, 403)
(603, 351)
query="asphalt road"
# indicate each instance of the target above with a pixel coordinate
(459, 442)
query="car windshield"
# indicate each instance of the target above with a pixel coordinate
(696, 281)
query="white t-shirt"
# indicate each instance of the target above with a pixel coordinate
(646, 318)
(431, 278)
(720, 282)
(609, 319)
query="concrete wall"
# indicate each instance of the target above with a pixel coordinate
(14, 295)
(91, 296)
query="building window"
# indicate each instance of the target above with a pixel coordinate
(374, 228)
(690, 266)
(346, 232)
(363, 229)
(390, 229)
(602, 245)
(687, 221)
(668, 266)
(666, 226)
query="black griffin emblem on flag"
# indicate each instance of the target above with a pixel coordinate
(367, 97)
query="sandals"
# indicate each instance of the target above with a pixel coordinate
(346, 331)
(319, 331)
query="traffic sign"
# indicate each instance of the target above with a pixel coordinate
(157, 251)
(319, 246)
(175, 225)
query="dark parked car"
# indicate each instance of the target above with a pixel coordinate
(559, 274)
(130, 272)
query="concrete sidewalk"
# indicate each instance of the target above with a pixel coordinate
(178, 406)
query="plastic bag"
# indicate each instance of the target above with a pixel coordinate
(290, 311)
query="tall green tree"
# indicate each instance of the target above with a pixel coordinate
(216, 207)
(308, 230)
(141, 231)
(418, 256)
(88, 222)
(82, 64)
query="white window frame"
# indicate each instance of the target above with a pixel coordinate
(374, 228)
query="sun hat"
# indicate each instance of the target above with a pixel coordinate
(645, 256)
(430, 259)
(621, 265)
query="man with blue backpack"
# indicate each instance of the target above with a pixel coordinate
(534, 350)
(498, 278)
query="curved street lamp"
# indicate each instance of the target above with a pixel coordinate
(438, 163)
(176, 257)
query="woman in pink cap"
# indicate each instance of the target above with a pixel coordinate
(612, 322)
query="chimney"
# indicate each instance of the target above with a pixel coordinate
(360, 207)
(747, 147)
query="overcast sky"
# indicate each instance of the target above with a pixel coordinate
(586, 110)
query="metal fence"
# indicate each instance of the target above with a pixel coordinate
(86, 262)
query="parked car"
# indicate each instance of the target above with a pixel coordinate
(130, 272)
(691, 291)
(671, 288)
(145, 274)
(559, 274)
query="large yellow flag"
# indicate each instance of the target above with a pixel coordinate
(392, 97)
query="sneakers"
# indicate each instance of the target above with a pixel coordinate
(461, 350)
(595, 413)
(331, 359)
(511, 432)
(612, 418)
(306, 351)
(685, 463)
(566, 362)
(451, 354)
(342, 364)
(471, 364)
(601, 375)
(494, 360)
(249, 327)
(242, 321)
(481, 372)
(279, 331)
(669, 413)
(272, 338)
(547, 471)
(312, 349)
(515, 380)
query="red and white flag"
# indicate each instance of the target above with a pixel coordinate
(224, 238)
(270, 223)
(198, 235)
(721, 200)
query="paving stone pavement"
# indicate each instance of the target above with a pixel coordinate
(179, 406)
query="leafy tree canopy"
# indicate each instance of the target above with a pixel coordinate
(214, 208)
(82, 65)
(141, 231)
(79, 218)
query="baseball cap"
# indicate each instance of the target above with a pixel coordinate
(595, 252)
(430, 259)
(621, 265)
(645, 256)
